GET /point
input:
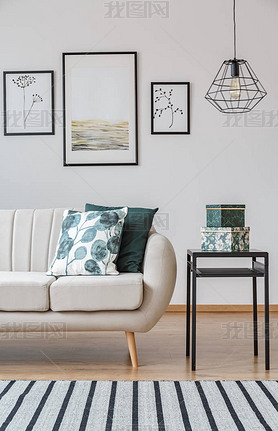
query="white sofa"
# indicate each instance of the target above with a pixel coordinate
(31, 300)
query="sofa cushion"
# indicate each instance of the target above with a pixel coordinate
(137, 225)
(89, 243)
(24, 291)
(94, 293)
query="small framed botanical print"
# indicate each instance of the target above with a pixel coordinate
(100, 108)
(170, 108)
(29, 103)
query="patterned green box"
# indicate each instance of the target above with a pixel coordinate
(225, 215)
(225, 238)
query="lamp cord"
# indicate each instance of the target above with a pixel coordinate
(234, 19)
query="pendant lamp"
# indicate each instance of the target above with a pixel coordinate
(236, 88)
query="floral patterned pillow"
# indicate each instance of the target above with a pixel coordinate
(89, 243)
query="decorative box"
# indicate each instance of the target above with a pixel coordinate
(225, 238)
(225, 215)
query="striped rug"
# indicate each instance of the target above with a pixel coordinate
(146, 406)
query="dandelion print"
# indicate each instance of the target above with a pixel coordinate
(28, 102)
(22, 82)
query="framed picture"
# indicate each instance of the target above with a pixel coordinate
(29, 103)
(100, 108)
(170, 108)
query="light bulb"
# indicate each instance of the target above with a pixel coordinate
(235, 88)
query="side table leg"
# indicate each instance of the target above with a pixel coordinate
(255, 314)
(194, 319)
(266, 314)
(188, 287)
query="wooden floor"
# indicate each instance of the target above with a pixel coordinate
(224, 351)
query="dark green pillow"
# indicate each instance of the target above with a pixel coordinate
(135, 234)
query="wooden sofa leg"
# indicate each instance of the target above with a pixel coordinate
(132, 348)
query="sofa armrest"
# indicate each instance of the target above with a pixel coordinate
(159, 276)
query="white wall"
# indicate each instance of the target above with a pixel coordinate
(180, 174)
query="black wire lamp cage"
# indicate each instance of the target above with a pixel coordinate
(236, 88)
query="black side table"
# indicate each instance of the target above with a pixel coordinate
(258, 269)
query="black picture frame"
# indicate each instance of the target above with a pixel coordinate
(64, 74)
(185, 107)
(51, 96)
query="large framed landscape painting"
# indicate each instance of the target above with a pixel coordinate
(100, 108)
